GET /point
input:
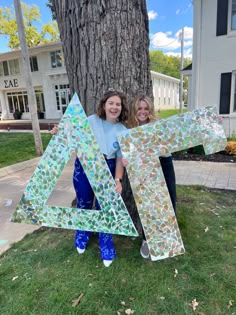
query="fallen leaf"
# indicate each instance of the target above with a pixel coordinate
(122, 302)
(131, 298)
(212, 274)
(194, 304)
(230, 304)
(8, 202)
(162, 298)
(176, 272)
(206, 229)
(90, 285)
(213, 211)
(14, 278)
(201, 313)
(129, 311)
(75, 302)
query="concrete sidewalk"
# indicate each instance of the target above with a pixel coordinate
(13, 180)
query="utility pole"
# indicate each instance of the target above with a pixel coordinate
(28, 79)
(181, 74)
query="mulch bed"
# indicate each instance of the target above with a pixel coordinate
(221, 156)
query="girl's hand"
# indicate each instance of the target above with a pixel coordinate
(118, 187)
(124, 162)
(54, 130)
(220, 119)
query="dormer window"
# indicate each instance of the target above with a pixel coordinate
(56, 59)
(10, 67)
(34, 64)
(233, 15)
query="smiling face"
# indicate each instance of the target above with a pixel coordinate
(143, 113)
(113, 108)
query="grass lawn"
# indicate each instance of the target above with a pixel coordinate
(18, 147)
(165, 113)
(43, 274)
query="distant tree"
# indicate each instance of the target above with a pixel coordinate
(168, 65)
(31, 14)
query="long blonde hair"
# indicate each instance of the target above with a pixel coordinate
(132, 119)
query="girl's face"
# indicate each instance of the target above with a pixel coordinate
(143, 113)
(113, 108)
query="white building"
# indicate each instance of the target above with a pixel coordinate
(214, 61)
(165, 91)
(51, 84)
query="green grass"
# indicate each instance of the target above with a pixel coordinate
(18, 147)
(51, 274)
(165, 113)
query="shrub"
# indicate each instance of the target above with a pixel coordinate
(231, 148)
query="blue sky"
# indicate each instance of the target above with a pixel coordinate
(166, 20)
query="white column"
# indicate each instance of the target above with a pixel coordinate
(3, 106)
(197, 41)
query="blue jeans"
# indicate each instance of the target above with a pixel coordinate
(169, 174)
(85, 199)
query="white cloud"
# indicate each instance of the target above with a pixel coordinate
(164, 40)
(171, 44)
(172, 53)
(188, 53)
(188, 32)
(177, 12)
(183, 10)
(152, 15)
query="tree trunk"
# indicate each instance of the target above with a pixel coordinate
(105, 45)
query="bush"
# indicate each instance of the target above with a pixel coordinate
(17, 114)
(231, 148)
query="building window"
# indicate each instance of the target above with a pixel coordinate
(233, 100)
(4, 68)
(56, 59)
(34, 64)
(10, 67)
(63, 96)
(14, 66)
(19, 101)
(233, 15)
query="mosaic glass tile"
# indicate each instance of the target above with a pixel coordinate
(74, 134)
(142, 147)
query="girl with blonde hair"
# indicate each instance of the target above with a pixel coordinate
(142, 112)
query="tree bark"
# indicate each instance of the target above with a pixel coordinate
(105, 45)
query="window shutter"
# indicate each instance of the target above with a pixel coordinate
(222, 17)
(225, 91)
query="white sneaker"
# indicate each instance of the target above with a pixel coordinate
(144, 250)
(80, 250)
(107, 263)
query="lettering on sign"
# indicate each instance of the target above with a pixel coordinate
(11, 83)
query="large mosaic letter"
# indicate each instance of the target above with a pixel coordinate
(74, 134)
(142, 146)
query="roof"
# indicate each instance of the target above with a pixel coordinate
(189, 67)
